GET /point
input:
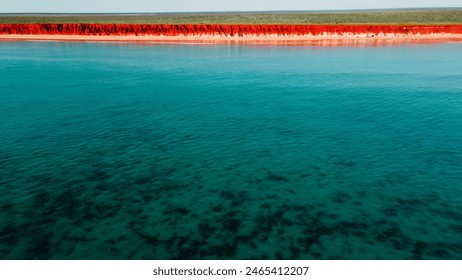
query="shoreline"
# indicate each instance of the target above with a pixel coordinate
(332, 39)
(234, 34)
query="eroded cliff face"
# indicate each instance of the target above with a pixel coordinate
(223, 30)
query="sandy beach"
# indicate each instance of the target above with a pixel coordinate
(331, 39)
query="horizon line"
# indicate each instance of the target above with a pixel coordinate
(235, 11)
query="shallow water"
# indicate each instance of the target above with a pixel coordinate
(126, 151)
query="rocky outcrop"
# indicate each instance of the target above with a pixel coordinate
(224, 30)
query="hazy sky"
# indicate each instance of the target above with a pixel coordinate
(127, 6)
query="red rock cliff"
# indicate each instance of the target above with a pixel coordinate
(215, 29)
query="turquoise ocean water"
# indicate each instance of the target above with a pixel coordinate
(126, 151)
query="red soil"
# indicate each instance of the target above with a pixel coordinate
(223, 30)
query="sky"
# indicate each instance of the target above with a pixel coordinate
(153, 6)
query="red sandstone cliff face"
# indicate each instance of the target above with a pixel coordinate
(223, 30)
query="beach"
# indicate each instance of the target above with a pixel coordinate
(332, 39)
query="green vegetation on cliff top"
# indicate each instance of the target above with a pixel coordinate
(438, 16)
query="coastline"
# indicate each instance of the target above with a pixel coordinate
(331, 39)
(234, 34)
